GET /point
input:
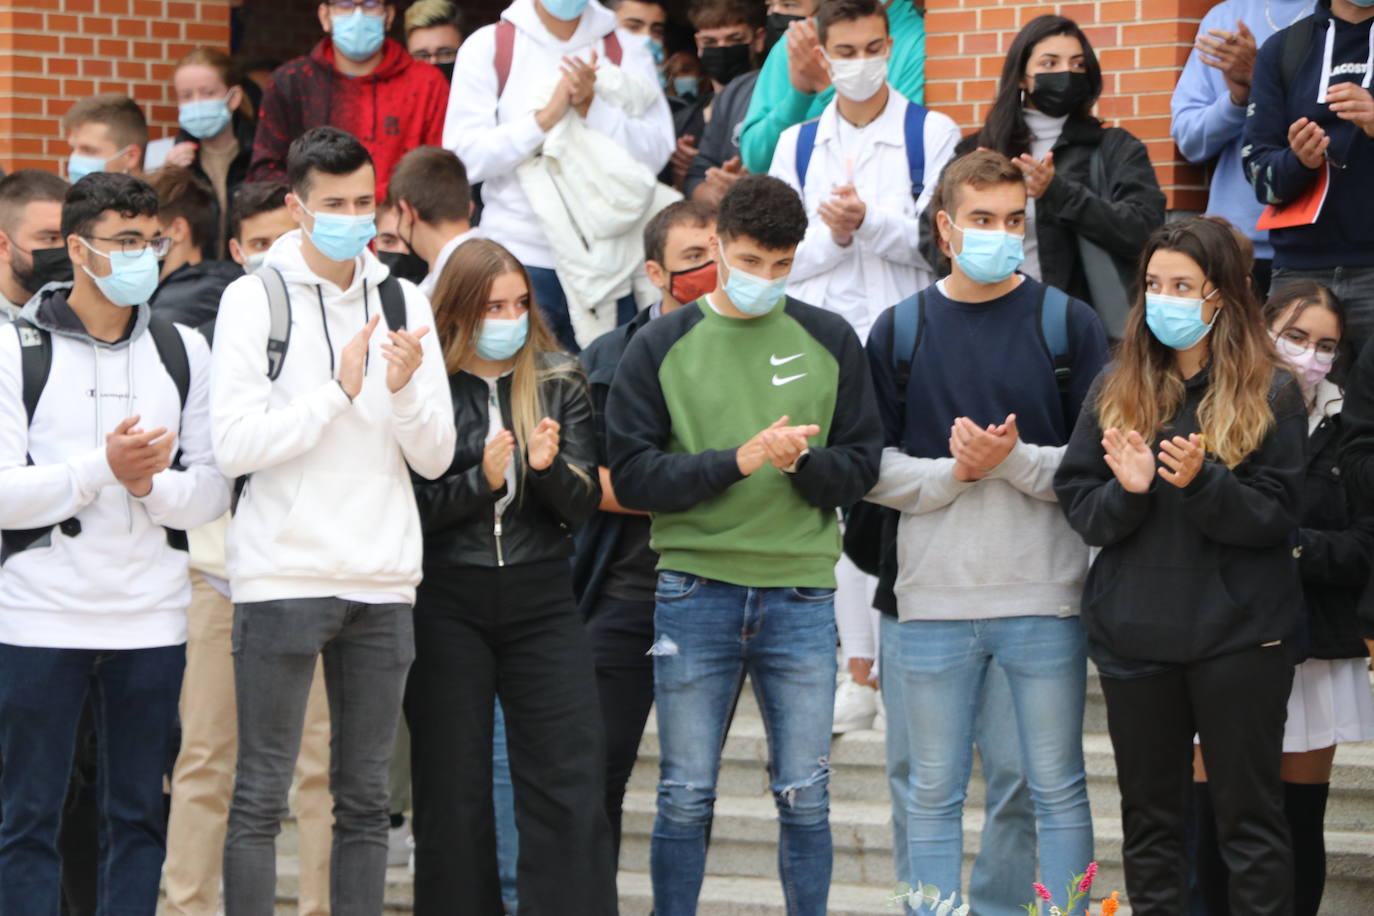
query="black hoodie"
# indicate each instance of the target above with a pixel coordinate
(1189, 574)
(190, 294)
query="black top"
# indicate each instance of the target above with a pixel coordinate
(1357, 455)
(190, 294)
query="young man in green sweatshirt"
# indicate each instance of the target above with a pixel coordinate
(742, 422)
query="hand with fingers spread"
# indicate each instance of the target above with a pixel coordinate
(353, 360)
(1037, 172)
(403, 356)
(844, 213)
(1352, 102)
(581, 77)
(1182, 459)
(1308, 141)
(804, 67)
(1130, 459)
(981, 450)
(1233, 53)
(682, 157)
(496, 458)
(785, 444)
(136, 455)
(543, 446)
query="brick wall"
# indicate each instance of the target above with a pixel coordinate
(53, 52)
(1142, 45)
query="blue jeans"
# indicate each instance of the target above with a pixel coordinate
(503, 796)
(134, 695)
(944, 667)
(1005, 865)
(709, 636)
(553, 305)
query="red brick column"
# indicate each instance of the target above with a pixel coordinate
(1142, 45)
(53, 52)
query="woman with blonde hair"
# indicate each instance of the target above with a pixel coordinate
(1186, 469)
(495, 615)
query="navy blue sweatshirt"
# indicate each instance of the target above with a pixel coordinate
(983, 361)
(1344, 234)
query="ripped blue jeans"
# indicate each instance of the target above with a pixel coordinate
(708, 637)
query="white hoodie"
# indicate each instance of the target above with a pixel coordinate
(493, 138)
(329, 509)
(118, 584)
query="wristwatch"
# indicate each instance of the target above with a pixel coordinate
(800, 463)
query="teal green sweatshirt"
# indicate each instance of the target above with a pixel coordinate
(776, 106)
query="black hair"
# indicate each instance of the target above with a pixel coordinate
(1005, 129)
(681, 213)
(323, 149)
(181, 194)
(101, 192)
(255, 198)
(833, 11)
(24, 187)
(765, 209)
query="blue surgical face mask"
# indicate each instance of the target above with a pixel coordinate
(132, 279)
(684, 86)
(340, 236)
(989, 255)
(502, 338)
(1177, 322)
(750, 294)
(204, 118)
(656, 49)
(79, 166)
(357, 36)
(252, 262)
(566, 10)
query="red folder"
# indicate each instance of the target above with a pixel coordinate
(1300, 211)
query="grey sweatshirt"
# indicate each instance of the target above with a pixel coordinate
(998, 547)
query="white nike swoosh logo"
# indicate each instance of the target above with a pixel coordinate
(785, 359)
(790, 378)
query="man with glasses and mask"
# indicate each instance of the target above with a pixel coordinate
(434, 31)
(105, 462)
(32, 253)
(355, 79)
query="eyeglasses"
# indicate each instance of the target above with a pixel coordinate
(439, 56)
(1293, 342)
(134, 246)
(373, 7)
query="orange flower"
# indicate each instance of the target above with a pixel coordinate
(1111, 904)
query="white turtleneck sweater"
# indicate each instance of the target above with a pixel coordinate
(1045, 133)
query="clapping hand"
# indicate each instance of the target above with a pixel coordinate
(496, 458)
(1233, 53)
(135, 455)
(543, 447)
(977, 451)
(1037, 172)
(1130, 460)
(403, 356)
(843, 213)
(1182, 459)
(1309, 142)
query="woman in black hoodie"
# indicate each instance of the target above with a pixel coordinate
(1195, 592)
(495, 615)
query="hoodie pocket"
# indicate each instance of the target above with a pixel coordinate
(350, 527)
(1159, 613)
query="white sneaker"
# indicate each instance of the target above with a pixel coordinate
(855, 706)
(880, 719)
(398, 845)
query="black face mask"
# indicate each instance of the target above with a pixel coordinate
(46, 265)
(447, 70)
(406, 265)
(775, 28)
(723, 64)
(1061, 93)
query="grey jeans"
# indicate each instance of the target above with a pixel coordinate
(367, 651)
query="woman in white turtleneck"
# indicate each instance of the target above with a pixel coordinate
(1042, 119)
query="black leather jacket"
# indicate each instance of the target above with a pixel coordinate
(458, 511)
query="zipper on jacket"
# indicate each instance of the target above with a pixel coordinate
(571, 219)
(500, 556)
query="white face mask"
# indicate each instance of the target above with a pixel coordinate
(858, 78)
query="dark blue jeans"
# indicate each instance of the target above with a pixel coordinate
(708, 637)
(553, 305)
(133, 696)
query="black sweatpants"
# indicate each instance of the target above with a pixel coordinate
(515, 631)
(1237, 704)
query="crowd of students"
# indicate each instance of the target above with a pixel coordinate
(966, 408)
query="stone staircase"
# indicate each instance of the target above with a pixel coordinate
(742, 864)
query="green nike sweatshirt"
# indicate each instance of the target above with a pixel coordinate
(692, 388)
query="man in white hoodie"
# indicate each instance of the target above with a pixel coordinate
(512, 83)
(105, 462)
(324, 549)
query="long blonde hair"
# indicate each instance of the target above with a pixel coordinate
(460, 307)
(1146, 389)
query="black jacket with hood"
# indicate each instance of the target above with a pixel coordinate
(190, 294)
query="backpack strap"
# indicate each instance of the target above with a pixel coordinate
(914, 130)
(1296, 41)
(35, 363)
(393, 303)
(610, 46)
(171, 349)
(505, 51)
(1054, 334)
(279, 320)
(806, 145)
(908, 327)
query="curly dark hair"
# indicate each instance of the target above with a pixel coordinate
(100, 192)
(764, 209)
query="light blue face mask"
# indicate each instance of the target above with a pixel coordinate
(132, 279)
(656, 49)
(79, 166)
(357, 36)
(990, 255)
(1177, 322)
(684, 86)
(252, 262)
(204, 118)
(750, 294)
(566, 10)
(340, 236)
(502, 338)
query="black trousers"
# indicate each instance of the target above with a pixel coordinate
(514, 631)
(1237, 704)
(621, 633)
